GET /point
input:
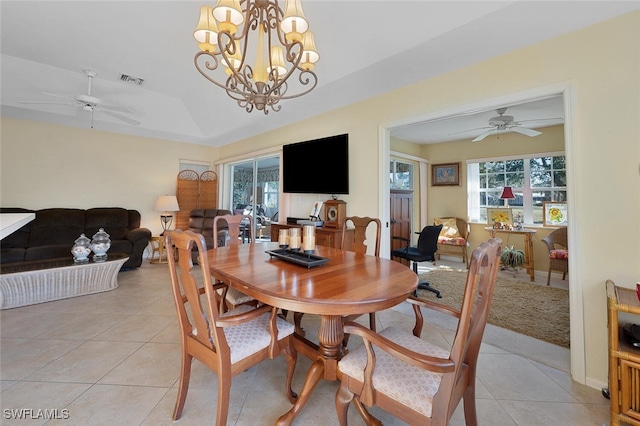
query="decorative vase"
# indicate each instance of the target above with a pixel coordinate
(100, 244)
(81, 249)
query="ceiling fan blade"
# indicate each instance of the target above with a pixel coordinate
(121, 117)
(116, 108)
(541, 119)
(484, 135)
(48, 103)
(526, 131)
(60, 96)
(471, 130)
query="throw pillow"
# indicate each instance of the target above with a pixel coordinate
(449, 227)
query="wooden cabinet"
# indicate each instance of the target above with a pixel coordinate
(328, 237)
(624, 359)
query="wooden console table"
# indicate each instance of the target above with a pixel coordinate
(528, 246)
(328, 237)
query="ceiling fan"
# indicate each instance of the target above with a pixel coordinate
(90, 103)
(504, 123)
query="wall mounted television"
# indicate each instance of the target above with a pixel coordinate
(318, 166)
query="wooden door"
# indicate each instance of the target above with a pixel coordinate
(401, 215)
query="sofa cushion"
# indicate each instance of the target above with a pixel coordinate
(114, 220)
(49, 251)
(12, 254)
(56, 226)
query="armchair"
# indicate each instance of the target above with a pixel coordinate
(414, 380)
(454, 237)
(425, 251)
(557, 245)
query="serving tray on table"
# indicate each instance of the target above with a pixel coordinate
(298, 257)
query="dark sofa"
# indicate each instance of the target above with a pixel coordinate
(53, 232)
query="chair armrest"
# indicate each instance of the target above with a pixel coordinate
(548, 243)
(434, 306)
(231, 320)
(405, 240)
(138, 234)
(425, 362)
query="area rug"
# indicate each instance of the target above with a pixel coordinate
(534, 310)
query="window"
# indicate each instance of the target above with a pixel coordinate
(533, 179)
(196, 165)
(401, 175)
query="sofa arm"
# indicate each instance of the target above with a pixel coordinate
(138, 234)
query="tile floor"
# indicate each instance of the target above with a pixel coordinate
(113, 358)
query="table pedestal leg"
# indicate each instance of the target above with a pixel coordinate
(330, 335)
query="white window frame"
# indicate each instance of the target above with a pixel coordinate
(474, 209)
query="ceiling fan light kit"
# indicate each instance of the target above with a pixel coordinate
(285, 51)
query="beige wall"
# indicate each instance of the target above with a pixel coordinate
(44, 165)
(40, 163)
(601, 65)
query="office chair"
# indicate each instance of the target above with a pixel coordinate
(425, 251)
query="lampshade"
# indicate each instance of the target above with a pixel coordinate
(309, 53)
(507, 193)
(229, 15)
(206, 33)
(167, 203)
(294, 23)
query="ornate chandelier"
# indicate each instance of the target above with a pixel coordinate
(285, 48)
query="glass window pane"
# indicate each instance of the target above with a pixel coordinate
(559, 178)
(540, 179)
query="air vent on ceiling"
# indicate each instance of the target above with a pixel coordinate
(131, 80)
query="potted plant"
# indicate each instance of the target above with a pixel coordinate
(512, 258)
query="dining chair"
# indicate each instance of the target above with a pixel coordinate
(415, 380)
(356, 241)
(239, 228)
(220, 341)
(425, 251)
(354, 238)
(558, 247)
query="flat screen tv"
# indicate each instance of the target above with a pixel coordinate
(319, 166)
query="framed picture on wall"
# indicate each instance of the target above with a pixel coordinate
(499, 214)
(445, 174)
(554, 213)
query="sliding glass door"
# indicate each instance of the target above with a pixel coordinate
(255, 188)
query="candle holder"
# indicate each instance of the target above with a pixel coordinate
(295, 240)
(283, 238)
(308, 239)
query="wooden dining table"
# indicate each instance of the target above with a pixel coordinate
(347, 284)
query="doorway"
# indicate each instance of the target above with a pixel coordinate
(577, 350)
